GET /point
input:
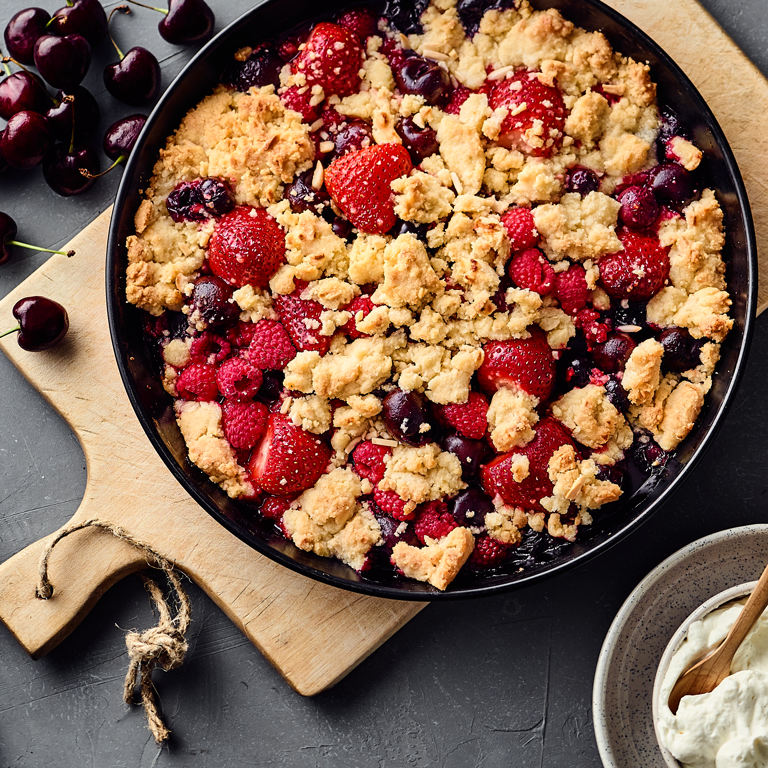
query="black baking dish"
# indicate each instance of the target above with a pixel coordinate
(154, 407)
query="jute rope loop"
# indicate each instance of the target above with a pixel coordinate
(163, 645)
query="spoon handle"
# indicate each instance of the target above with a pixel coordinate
(754, 606)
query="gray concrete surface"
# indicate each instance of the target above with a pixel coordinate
(498, 682)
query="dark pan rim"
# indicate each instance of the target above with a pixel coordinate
(115, 299)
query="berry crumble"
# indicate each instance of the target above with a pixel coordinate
(432, 288)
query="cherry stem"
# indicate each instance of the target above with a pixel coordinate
(122, 9)
(35, 248)
(7, 68)
(89, 175)
(149, 7)
(8, 333)
(71, 100)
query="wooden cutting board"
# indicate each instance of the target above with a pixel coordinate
(312, 633)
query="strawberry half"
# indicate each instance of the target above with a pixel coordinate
(331, 58)
(536, 118)
(359, 184)
(247, 247)
(301, 318)
(497, 477)
(289, 459)
(639, 271)
(524, 363)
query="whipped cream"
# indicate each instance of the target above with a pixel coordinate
(727, 728)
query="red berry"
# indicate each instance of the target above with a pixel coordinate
(359, 184)
(360, 304)
(331, 58)
(289, 459)
(571, 289)
(497, 477)
(238, 379)
(274, 507)
(434, 520)
(360, 21)
(270, 347)
(197, 382)
(457, 98)
(536, 116)
(390, 503)
(532, 271)
(247, 247)
(299, 100)
(595, 332)
(639, 271)
(521, 228)
(301, 318)
(241, 335)
(468, 419)
(488, 553)
(369, 460)
(525, 363)
(209, 348)
(244, 423)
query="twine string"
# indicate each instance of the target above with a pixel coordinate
(164, 645)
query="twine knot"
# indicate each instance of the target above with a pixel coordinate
(165, 647)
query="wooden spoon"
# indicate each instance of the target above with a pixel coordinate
(707, 674)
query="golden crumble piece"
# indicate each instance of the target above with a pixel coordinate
(579, 227)
(704, 313)
(576, 481)
(438, 563)
(586, 119)
(176, 353)
(541, 36)
(451, 385)
(591, 417)
(511, 417)
(422, 474)
(687, 154)
(200, 425)
(298, 373)
(558, 326)
(623, 152)
(409, 279)
(255, 304)
(421, 198)
(331, 292)
(356, 539)
(462, 150)
(333, 499)
(311, 413)
(642, 373)
(366, 258)
(702, 373)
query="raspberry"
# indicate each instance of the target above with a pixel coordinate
(209, 348)
(469, 419)
(457, 98)
(270, 348)
(299, 102)
(238, 379)
(571, 289)
(197, 382)
(488, 553)
(532, 271)
(369, 460)
(241, 335)
(360, 21)
(274, 507)
(521, 228)
(360, 304)
(392, 504)
(594, 331)
(244, 423)
(434, 520)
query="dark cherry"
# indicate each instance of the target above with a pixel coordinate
(3, 164)
(639, 208)
(670, 127)
(82, 17)
(199, 199)
(121, 136)
(405, 15)
(581, 180)
(42, 323)
(425, 78)
(577, 372)
(613, 474)
(471, 506)
(616, 394)
(135, 79)
(632, 314)
(22, 91)
(62, 61)
(472, 11)
(23, 31)
(407, 417)
(341, 227)
(303, 197)
(681, 351)
(469, 453)
(212, 299)
(411, 228)
(271, 387)
(262, 67)
(611, 356)
(647, 454)
(185, 22)
(389, 532)
(177, 324)
(25, 140)
(356, 134)
(61, 169)
(672, 184)
(78, 106)
(420, 142)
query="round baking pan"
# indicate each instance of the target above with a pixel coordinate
(154, 407)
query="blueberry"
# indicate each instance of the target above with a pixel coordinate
(670, 127)
(341, 227)
(681, 350)
(410, 227)
(578, 372)
(261, 68)
(672, 184)
(423, 77)
(405, 15)
(420, 142)
(271, 387)
(639, 208)
(408, 419)
(611, 356)
(581, 180)
(471, 506)
(469, 453)
(616, 394)
(303, 197)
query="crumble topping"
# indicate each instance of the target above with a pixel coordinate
(439, 562)
(592, 418)
(643, 371)
(511, 416)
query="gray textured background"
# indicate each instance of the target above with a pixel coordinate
(502, 681)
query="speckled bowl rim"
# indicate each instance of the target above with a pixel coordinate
(714, 602)
(619, 626)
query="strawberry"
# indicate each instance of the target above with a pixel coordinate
(238, 379)
(497, 479)
(488, 553)
(457, 98)
(247, 247)
(571, 289)
(521, 228)
(434, 520)
(468, 419)
(639, 271)
(301, 318)
(197, 382)
(270, 347)
(537, 128)
(244, 423)
(289, 459)
(524, 363)
(531, 270)
(360, 21)
(369, 460)
(360, 304)
(359, 184)
(392, 504)
(331, 58)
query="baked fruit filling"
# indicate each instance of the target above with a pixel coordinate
(432, 289)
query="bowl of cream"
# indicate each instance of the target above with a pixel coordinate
(728, 727)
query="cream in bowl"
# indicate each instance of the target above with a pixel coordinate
(728, 727)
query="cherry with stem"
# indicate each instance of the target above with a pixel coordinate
(8, 230)
(185, 22)
(119, 140)
(21, 91)
(23, 31)
(43, 323)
